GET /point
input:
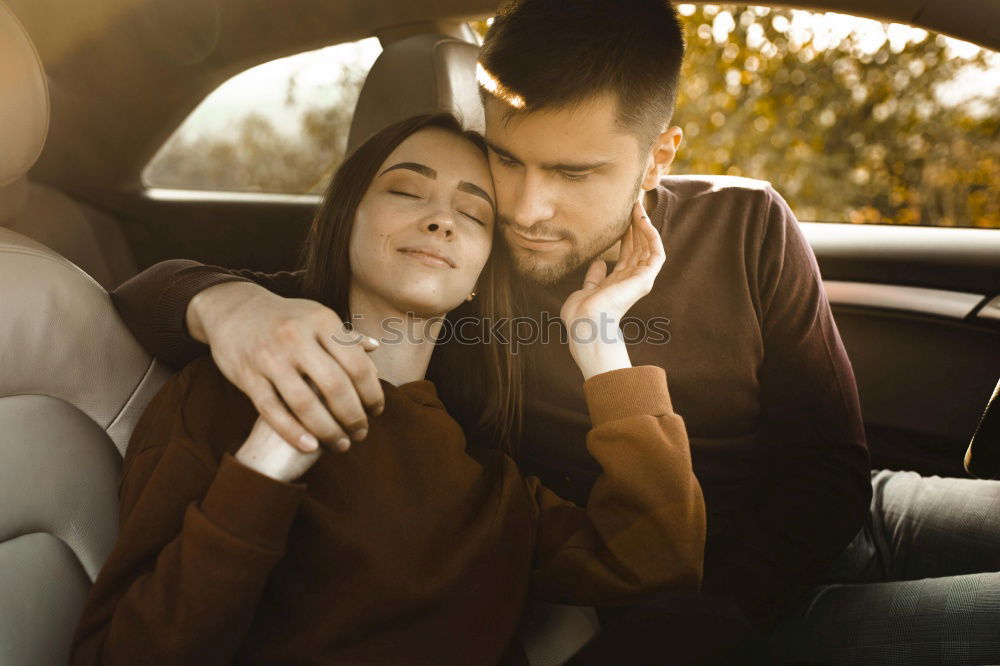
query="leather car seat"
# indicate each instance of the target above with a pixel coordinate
(84, 235)
(430, 73)
(73, 383)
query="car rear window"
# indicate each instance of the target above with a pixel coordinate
(279, 127)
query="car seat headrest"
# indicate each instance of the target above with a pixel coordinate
(422, 74)
(24, 102)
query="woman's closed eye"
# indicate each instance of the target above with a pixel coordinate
(472, 207)
(401, 193)
(472, 217)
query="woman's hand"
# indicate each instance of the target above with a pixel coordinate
(266, 452)
(593, 314)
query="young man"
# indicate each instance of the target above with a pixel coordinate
(578, 98)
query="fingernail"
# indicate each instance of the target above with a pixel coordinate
(343, 444)
(309, 442)
(360, 434)
(372, 341)
(378, 410)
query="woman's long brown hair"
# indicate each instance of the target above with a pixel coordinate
(480, 381)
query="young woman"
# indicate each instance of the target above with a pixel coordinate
(409, 547)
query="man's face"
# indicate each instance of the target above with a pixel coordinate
(565, 181)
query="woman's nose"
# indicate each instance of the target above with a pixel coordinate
(440, 224)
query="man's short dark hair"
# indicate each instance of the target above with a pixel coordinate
(558, 53)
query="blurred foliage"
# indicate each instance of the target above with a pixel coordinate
(845, 131)
(257, 157)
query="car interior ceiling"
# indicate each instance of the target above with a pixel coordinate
(923, 378)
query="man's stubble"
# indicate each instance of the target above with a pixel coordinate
(528, 265)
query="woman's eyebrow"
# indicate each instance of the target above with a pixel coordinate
(424, 170)
(465, 186)
(413, 166)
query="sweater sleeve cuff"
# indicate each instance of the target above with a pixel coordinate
(171, 311)
(250, 505)
(619, 394)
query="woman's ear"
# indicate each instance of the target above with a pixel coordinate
(661, 156)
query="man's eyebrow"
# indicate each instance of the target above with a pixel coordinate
(566, 166)
(500, 151)
(556, 166)
(413, 166)
(465, 186)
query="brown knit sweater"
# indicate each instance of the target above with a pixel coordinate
(406, 549)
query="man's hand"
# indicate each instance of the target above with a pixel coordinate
(272, 348)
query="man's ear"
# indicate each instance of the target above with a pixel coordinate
(661, 156)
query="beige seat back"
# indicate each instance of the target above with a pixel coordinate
(73, 382)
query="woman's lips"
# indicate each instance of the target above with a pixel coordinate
(427, 258)
(534, 244)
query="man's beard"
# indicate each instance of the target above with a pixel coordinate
(529, 266)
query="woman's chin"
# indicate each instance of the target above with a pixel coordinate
(427, 308)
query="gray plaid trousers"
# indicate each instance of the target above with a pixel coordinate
(920, 583)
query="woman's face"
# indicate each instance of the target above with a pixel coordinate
(424, 228)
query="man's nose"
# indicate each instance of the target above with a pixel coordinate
(533, 203)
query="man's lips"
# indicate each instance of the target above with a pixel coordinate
(530, 243)
(429, 256)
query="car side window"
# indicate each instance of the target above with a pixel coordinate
(280, 127)
(851, 119)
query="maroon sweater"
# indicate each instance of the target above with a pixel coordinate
(405, 549)
(757, 369)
